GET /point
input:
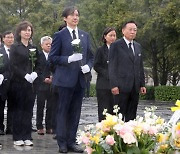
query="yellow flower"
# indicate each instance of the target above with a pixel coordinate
(95, 138)
(177, 142)
(163, 146)
(110, 120)
(160, 121)
(138, 130)
(162, 137)
(178, 126)
(176, 108)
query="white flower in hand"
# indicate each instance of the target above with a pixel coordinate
(33, 49)
(75, 41)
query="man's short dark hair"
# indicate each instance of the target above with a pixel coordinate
(69, 10)
(6, 33)
(131, 21)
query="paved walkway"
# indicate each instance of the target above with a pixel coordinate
(46, 145)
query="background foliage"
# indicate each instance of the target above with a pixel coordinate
(158, 26)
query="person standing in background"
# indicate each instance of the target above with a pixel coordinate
(105, 98)
(126, 71)
(69, 76)
(44, 93)
(1, 40)
(8, 40)
(24, 65)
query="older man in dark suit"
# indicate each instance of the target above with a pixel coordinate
(69, 76)
(126, 71)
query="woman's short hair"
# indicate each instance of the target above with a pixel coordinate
(22, 26)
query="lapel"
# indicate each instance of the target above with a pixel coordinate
(106, 52)
(2, 50)
(124, 45)
(82, 43)
(136, 51)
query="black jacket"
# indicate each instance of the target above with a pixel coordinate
(101, 67)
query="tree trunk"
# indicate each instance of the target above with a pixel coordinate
(154, 63)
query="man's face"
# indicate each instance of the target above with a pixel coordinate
(129, 31)
(46, 45)
(72, 20)
(8, 39)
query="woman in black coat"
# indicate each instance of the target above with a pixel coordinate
(24, 65)
(104, 96)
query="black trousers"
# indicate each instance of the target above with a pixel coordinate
(2, 106)
(23, 99)
(128, 103)
(105, 100)
(68, 115)
(9, 113)
(44, 97)
(54, 107)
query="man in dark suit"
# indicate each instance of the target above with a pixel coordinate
(126, 71)
(8, 40)
(69, 76)
(44, 94)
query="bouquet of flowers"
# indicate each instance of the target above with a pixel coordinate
(76, 45)
(1, 60)
(32, 57)
(114, 136)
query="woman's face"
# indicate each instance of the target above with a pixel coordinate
(110, 37)
(26, 33)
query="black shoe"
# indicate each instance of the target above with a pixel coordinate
(63, 150)
(8, 131)
(75, 148)
(2, 132)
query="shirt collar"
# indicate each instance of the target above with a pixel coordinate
(127, 41)
(6, 48)
(46, 54)
(76, 31)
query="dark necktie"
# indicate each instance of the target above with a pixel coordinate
(74, 35)
(130, 49)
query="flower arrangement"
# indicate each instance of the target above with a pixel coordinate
(144, 135)
(32, 57)
(76, 45)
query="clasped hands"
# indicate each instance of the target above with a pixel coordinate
(31, 77)
(76, 57)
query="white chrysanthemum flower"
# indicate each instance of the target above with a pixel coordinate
(32, 50)
(75, 41)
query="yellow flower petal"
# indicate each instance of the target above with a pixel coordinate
(175, 109)
(178, 103)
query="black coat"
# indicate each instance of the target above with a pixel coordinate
(5, 71)
(101, 67)
(20, 62)
(124, 69)
(45, 72)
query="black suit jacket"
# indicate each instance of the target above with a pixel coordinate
(124, 69)
(5, 71)
(101, 67)
(45, 72)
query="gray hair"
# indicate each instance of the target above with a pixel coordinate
(44, 38)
